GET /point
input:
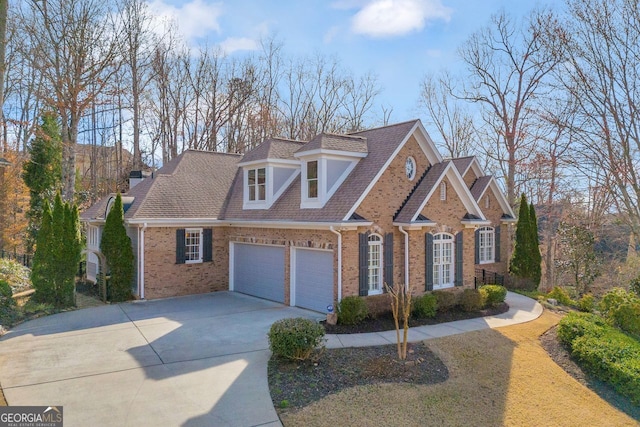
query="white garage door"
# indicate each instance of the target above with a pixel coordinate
(313, 279)
(258, 270)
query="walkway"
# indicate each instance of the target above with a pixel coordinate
(521, 309)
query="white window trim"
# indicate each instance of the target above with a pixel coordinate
(437, 243)
(188, 231)
(486, 231)
(378, 243)
(324, 193)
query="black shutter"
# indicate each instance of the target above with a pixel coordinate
(364, 264)
(388, 260)
(477, 238)
(428, 262)
(180, 246)
(459, 259)
(496, 236)
(207, 245)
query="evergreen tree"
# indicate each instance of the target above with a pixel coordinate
(57, 255)
(43, 172)
(536, 257)
(116, 247)
(520, 262)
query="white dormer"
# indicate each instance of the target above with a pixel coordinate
(326, 161)
(265, 181)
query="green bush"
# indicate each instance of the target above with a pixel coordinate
(470, 300)
(634, 286)
(587, 303)
(15, 274)
(425, 306)
(575, 325)
(612, 357)
(352, 310)
(496, 294)
(6, 294)
(446, 300)
(560, 295)
(614, 299)
(627, 317)
(296, 338)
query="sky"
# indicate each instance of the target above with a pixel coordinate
(398, 40)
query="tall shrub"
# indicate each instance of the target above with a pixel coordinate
(536, 257)
(521, 262)
(42, 173)
(116, 247)
(57, 255)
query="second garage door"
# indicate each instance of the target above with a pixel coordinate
(258, 270)
(313, 279)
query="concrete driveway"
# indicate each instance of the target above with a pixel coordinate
(190, 361)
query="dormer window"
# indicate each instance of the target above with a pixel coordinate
(257, 183)
(312, 179)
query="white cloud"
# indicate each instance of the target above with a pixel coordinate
(195, 19)
(391, 18)
(233, 44)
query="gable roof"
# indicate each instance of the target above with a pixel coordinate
(479, 188)
(426, 187)
(333, 142)
(194, 185)
(382, 144)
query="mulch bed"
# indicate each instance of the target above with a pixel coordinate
(386, 322)
(562, 358)
(294, 385)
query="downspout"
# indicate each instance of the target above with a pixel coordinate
(406, 257)
(141, 261)
(333, 230)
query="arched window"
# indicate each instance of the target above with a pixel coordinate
(375, 264)
(443, 260)
(486, 245)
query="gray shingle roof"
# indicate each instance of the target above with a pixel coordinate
(193, 185)
(328, 141)
(420, 192)
(479, 186)
(463, 163)
(381, 142)
(273, 148)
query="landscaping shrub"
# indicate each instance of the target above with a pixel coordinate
(560, 295)
(425, 306)
(470, 300)
(352, 310)
(496, 294)
(612, 357)
(6, 294)
(295, 338)
(15, 274)
(8, 312)
(634, 286)
(378, 305)
(575, 325)
(614, 299)
(627, 317)
(446, 300)
(587, 303)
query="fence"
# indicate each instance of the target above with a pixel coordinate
(484, 277)
(23, 259)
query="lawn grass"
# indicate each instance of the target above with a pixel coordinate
(496, 377)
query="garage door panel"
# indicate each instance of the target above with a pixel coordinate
(314, 279)
(258, 270)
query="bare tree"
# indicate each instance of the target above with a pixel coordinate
(4, 9)
(75, 50)
(507, 63)
(602, 73)
(452, 121)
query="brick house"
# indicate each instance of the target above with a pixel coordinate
(308, 223)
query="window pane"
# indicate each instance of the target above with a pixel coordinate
(313, 189)
(261, 192)
(261, 176)
(252, 176)
(192, 245)
(312, 170)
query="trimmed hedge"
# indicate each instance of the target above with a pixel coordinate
(425, 306)
(471, 300)
(495, 294)
(295, 338)
(352, 310)
(447, 300)
(560, 295)
(604, 351)
(587, 303)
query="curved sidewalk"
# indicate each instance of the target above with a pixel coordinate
(521, 309)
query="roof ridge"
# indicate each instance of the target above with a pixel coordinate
(221, 153)
(341, 135)
(383, 127)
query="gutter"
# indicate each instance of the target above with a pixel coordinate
(296, 225)
(406, 257)
(141, 261)
(333, 230)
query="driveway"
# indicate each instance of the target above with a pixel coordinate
(190, 361)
